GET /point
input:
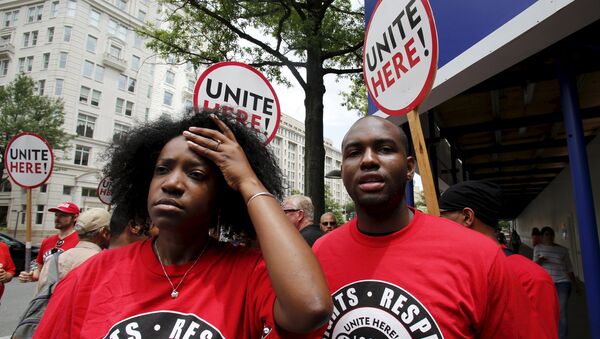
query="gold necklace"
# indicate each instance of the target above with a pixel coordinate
(175, 293)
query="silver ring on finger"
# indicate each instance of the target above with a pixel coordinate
(218, 144)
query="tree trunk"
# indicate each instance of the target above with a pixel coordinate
(314, 155)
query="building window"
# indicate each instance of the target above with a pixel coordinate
(85, 125)
(67, 190)
(149, 94)
(119, 132)
(128, 108)
(90, 44)
(99, 75)
(30, 38)
(88, 68)
(137, 41)
(35, 13)
(147, 114)
(45, 60)
(62, 60)
(11, 18)
(50, 34)
(94, 19)
(191, 85)
(122, 81)
(39, 214)
(168, 98)
(135, 62)
(84, 94)
(141, 15)
(5, 186)
(40, 87)
(170, 77)
(131, 85)
(89, 192)
(67, 33)
(4, 67)
(44, 188)
(71, 8)
(188, 105)
(96, 98)
(82, 155)
(122, 4)
(115, 51)
(119, 106)
(26, 64)
(58, 86)
(117, 29)
(54, 9)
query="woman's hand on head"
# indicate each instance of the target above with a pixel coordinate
(223, 149)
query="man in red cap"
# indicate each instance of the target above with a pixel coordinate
(65, 217)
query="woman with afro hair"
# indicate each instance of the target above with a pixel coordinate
(188, 177)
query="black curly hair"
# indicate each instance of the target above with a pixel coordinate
(131, 162)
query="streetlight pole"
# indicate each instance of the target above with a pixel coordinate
(16, 222)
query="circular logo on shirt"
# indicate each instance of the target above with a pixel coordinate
(373, 309)
(164, 324)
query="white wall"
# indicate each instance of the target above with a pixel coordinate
(555, 207)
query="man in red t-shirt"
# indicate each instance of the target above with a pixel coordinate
(477, 205)
(395, 272)
(65, 217)
(7, 267)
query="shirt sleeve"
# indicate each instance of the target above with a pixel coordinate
(6, 260)
(58, 320)
(508, 312)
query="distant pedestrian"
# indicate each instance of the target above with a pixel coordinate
(65, 217)
(328, 222)
(7, 267)
(536, 236)
(300, 211)
(555, 260)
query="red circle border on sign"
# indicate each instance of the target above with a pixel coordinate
(257, 72)
(98, 192)
(51, 159)
(432, 68)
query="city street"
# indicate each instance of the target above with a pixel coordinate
(14, 301)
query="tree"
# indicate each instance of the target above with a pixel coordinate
(21, 110)
(355, 99)
(318, 36)
(331, 206)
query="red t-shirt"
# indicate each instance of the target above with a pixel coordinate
(52, 242)
(540, 290)
(431, 279)
(7, 263)
(124, 293)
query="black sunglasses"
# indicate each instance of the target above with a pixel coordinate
(290, 210)
(329, 223)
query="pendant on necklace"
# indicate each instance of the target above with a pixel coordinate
(174, 294)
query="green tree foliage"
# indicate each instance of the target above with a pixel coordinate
(331, 206)
(21, 110)
(311, 38)
(355, 99)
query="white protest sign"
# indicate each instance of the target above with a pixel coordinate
(400, 54)
(242, 91)
(104, 191)
(28, 160)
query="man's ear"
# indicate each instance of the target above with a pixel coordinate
(469, 216)
(411, 166)
(135, 229)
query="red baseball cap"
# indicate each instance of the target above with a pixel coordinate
(66, 207)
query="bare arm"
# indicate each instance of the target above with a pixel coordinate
(303, 302)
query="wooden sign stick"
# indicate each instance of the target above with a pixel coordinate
(416, 132)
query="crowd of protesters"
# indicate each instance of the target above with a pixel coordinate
(390, 272)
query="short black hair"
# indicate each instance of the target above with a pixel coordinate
(536, 231)
(130, 165)
(403, 137)
(547, 229)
